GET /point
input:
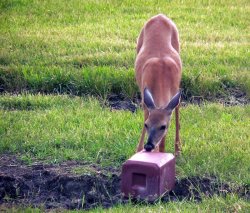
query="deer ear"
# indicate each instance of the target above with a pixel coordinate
(174, 102)
(148, 99)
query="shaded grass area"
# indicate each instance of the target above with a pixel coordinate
(97, 81)
(57, 128)
(88, 47)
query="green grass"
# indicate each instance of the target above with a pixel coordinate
(88, 48)
(231, 203)
(216, 204)
(59, 46)
(56, 128)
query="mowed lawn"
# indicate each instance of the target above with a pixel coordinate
(87, 48)
(69, 46)
(57, 128)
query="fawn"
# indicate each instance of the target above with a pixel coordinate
(158, 75)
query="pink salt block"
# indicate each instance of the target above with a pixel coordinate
(148, 175)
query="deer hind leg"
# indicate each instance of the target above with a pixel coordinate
(177, 133)
(141, 142)
(140, 41)
(175, 39)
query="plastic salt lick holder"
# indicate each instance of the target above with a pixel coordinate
(148, 175)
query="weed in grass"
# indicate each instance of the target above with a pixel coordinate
(85, 170)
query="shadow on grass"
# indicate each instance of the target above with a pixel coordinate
(106, 81)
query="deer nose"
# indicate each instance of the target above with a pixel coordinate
(149, 146)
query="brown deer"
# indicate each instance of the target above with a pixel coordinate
(158, 75)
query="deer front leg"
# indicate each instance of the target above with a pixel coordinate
(141, 142)
(177, 133)
(162, 145)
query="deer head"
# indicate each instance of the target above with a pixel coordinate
(158, 120)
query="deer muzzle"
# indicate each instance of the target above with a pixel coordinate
(150, 143)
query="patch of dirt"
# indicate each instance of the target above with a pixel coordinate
(235, 97)
(76, 185)
(119, 102)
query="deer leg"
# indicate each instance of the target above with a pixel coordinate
(162, 145)
(141, 142)
(177, 133)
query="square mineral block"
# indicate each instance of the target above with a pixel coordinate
(147, 175)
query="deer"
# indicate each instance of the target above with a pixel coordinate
(158, 70)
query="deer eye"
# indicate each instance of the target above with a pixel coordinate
(146, 126)
(163, 127)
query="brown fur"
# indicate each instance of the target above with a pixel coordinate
(158, 67)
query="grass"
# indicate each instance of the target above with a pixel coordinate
(56, 47)
(88, 48)
(216, 204)
(57, 128)
(230, 203)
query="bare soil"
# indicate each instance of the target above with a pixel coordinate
(119, 102)
(235, 97)
(78, 185)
